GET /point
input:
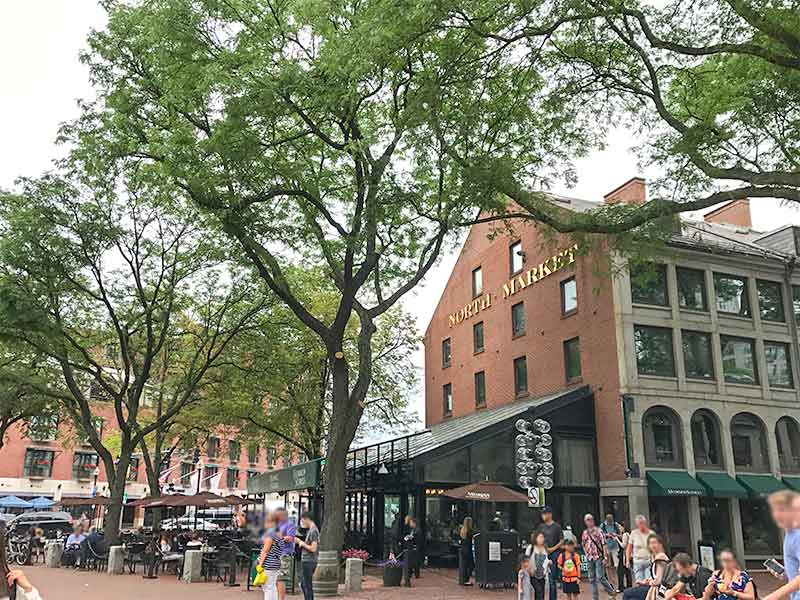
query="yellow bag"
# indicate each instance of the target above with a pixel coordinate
(261, 577)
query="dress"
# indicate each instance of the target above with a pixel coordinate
(738, 584)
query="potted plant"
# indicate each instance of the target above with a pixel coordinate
(392, 571)
(351, 553)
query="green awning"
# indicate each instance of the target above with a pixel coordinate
(760, 486)
(673, 483)
(793, 483)
(720, 485)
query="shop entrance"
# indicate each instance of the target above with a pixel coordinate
(669, 517)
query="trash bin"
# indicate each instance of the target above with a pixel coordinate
(496, 555)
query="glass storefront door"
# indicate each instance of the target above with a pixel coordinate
(715, 521)
(759, 532)
(670, 518)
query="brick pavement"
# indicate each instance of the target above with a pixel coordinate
(435, 584)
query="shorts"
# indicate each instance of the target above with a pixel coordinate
(570, 587)
(285, 573)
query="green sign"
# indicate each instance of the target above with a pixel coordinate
(298, 477)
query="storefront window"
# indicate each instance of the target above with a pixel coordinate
(697, 356)
(392, 523)
(442, 521)
(738, 360)
(494, 459)
(788, 437)
(749, 441)
(758, 530)
(649, 284)
(770, 300)
(654, 351)
(670, 516)
(453, 468)
(691, 289)
(575, 462)
(715, 521)
(662, 438)
(732, 297)
(779, 364)
(706, 440)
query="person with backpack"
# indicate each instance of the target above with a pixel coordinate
(596, 553)
(569, 563)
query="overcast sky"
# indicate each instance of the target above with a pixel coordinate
(42, 79)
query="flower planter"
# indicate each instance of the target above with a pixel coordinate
(392, 575)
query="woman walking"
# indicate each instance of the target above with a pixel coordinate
(730, 582)
(270, 557)
(466, 561)
(539, 565)
(647, 588)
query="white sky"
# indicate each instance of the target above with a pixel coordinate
(42, 78)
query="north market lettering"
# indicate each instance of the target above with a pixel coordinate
(552, 265)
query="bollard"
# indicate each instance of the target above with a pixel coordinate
(192, 566)
(116, 560)
(53, 552)
(353, 574)
(326, 577)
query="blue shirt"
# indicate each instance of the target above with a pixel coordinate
(75, 540)
(791, 556)
(287, 529)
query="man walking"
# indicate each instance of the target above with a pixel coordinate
(612, 532)
(637, 555)
(288, 531)
(554, 540)
(785, 509)
(308, 560)
(596, 552)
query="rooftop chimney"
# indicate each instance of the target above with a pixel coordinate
(633, 191)
(735, 212)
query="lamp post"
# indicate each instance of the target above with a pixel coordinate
(96, 474)
(196, 461)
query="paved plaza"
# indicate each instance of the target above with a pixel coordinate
(64, 584)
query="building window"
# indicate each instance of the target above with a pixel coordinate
(234, 451)
(272, 456)
(516, 257)
(749, 440)
(520, 376)
(738, 360)
(796, 303)
(477, 282)
(662, 438)
(38, 463)
(447, 353)
(779, 364)
(654, 351)
(649, 284)
(251, 474)
(253, 452)
(232, 479)
(706, 442)
(133, 469)
(569, 296)
(477, 337)
(287, 458)
(770, 300)
(732, 296)
(572, 359)
(43, 428)
(518, 319)
(83, 465)
(212, 447)
(447, 399)
(209, 473)
(691, 289)
(787, 435)
(697, 355)
(187, 470)
(480, 389)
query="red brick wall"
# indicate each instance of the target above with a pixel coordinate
(735, 213)
(542, 344)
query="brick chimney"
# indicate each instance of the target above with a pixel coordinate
(633, 191)
(735, 212)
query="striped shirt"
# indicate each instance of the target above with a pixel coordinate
(272, 562)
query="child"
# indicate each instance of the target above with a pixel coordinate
(539, 565)
(524, 587)
(570, 564)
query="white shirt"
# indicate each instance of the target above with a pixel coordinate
(22, 595)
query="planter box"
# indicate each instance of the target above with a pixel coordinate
(392, 576)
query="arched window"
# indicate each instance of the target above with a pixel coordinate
(787, 435)
(706, 441)
(749, 440)
(663, 445)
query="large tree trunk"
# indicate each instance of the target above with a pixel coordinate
(344, 422)
(117, 481)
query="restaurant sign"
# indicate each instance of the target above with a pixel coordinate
(298, 477)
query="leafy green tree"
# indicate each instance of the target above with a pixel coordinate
(101, 283)
(317, 132)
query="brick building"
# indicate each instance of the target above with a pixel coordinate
(691, 364)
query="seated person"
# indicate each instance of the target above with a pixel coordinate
(72, 547)
(692, 578)
(194, 542)
(94, 545)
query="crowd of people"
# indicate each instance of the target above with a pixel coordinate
(640, 565)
